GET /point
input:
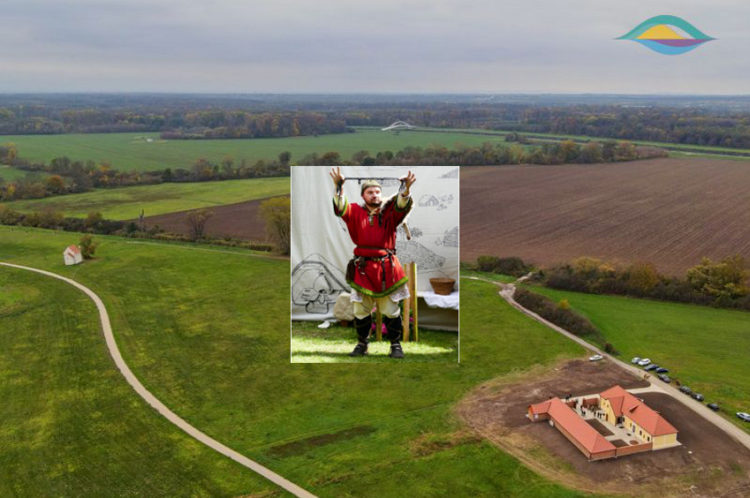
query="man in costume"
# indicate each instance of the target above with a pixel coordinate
(375, 274)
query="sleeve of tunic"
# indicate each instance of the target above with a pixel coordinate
(402, 207)
(341, 207)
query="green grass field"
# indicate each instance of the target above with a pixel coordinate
(126, 203)
(147, 152)
(9, 174)
(208, 333)
(705, 348)
(333, 345)
(71, 426)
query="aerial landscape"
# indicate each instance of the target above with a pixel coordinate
(145, 251)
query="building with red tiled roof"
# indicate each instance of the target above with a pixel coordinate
(573, 427)
(621, 407)
(640, 428)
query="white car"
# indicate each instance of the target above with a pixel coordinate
(596, 357)
(644, 362)
(635, 360)
(744, 416)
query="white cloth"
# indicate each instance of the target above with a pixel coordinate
(441, 301)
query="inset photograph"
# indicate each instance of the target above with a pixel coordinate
(374, 264)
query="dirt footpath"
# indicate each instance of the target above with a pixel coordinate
(708, 463)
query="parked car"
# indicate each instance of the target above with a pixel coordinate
(635, 360)
(744, 416)
(665, 378)
(645, 361)
(697, 396)
(596, 357)
(686, 390)
(713, 406)
(662, 370)
(652, 367)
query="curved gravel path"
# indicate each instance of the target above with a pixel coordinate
(508, 290)
(158, 405)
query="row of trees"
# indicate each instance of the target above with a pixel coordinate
(173, 123)
(494, 154)
(680, 125)
(561, 315)
(721, 283)
(68, 176)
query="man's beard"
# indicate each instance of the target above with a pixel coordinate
(374, 204)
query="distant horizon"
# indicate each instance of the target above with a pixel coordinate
(372, 93)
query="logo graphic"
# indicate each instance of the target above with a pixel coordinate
(659, 34)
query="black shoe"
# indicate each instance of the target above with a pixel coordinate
(396, 351)
(360, 350)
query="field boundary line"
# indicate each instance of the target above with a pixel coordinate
(508, 290)
(160, 407)
(206, 249)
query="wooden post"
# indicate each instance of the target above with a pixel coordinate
(415, 299)
(407, 314)
(378, 324)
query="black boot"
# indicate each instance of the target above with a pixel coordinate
(395, 332)
(363, 326)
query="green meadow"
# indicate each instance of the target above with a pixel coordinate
(127, 202)
(333, 345)
(707, 349)
(208, 333)
(9, 174)
(147, 152)
(71, 425)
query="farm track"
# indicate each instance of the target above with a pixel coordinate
(158, 405)
(671, 212)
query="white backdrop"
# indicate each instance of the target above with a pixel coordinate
(321, 247)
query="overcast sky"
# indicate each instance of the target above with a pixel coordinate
(342, 46)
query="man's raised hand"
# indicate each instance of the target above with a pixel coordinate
(408, 180)
(337, 177)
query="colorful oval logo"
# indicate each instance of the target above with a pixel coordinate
(659, 34)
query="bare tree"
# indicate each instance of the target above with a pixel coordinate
(196, 222)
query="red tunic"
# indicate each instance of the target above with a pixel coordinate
(378, 270)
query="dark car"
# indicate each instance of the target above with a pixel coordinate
(686, 390)
(697, 396)
(665, 378)
(662, 370)
(713, 406)
(652, 367)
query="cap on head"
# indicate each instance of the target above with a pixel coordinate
(369, 183)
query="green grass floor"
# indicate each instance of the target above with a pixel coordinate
(147, 152)
(9, 174)
(706, 348)
(126, 203)
(208, 333)
(333, 345)
(70, 425)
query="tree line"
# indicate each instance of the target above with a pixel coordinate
(172, 123)
(725, 126)
(489, 154)
(66, 176)
(721, 283)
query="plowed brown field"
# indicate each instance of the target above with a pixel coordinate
(239, 221)
(670, 212)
